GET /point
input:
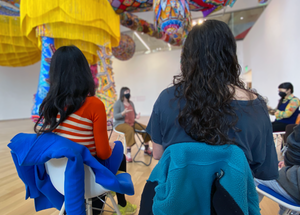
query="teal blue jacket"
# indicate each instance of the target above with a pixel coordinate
(185, 174)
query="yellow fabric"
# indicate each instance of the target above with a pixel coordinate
(88, 49)
(91, 21)
(15, 48)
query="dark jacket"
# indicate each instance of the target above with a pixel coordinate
(289, 176)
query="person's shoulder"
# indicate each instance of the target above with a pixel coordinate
(93, 102)
(168, 92)
(118, 102)
(295, 99)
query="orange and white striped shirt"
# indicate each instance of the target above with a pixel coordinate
(88, 127)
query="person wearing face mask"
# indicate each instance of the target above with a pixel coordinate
(124, 121)
(287, 109)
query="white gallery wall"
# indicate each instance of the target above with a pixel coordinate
(271, 49)
(146, 75)
(17, 86)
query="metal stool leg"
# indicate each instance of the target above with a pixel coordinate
(89, 207)
(114, 203)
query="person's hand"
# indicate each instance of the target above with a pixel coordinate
(272, 111)
(112, 145)
(138, 116)
(281, 164)
(126, 111)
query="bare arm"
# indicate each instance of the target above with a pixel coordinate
(157, 151)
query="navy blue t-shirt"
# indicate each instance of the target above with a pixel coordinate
(255, 137)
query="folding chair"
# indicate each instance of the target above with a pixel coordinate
(137, 132)
(271, 194)
(56, 171)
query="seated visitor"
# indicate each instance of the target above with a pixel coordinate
(124, 116)
(71, 111)
(288, 183)
(209, 104)
(287, 109)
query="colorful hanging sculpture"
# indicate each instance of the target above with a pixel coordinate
(121, 6)
(43, 85)
(126, 48)
(106, 91)
(94, 71)
(209, 6)
(136, 24)
(172, 17)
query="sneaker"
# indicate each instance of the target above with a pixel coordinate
(128, 157)
(129, 209)
(148, 152)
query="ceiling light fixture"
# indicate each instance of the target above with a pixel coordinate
(242, 18)
(194, 23)
(200, 21)
(142, 41)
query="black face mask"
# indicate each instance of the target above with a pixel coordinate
(127, 95)
(282, 94)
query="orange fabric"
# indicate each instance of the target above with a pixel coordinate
(88, 127)
(298, 120)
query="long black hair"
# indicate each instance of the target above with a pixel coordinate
(71, 82)
(287, 86)
(123, 89)
(209, 75)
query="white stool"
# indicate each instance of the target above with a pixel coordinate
(280, 133)
(269, 193)
(121, 136)
(56, 171)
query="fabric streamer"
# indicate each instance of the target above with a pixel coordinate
(126, 48)
(85, 24)
(106, 91)
(15, 49)
(43, 85)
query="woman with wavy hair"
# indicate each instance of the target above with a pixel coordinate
(208, 103)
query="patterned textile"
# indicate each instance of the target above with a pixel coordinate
(136, 24)
(121, 6)
(172, 17)
(294, 103)
(126, 48)
(209, 6)
(10, 7)
(43, 85)
(106, 91)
